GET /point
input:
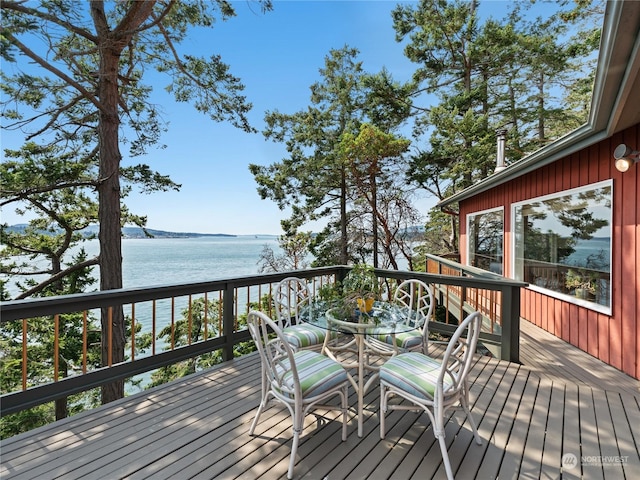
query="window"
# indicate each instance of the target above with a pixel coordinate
(563, 244)
(485, 233)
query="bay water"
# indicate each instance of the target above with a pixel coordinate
(167, 261)
(150, 262)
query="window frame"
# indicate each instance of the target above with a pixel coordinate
(469, 216)
(592, 305)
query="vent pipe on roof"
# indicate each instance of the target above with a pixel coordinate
(500, 161)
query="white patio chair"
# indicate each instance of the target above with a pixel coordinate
(415, 300)
(300, 380)
(291, 296)
(432, 385)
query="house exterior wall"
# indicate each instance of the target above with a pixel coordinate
(615, 338)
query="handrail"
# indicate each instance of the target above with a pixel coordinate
(27, 308)
(14, 310)
(229, 336)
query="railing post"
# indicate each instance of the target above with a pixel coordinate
(228, 322)
(510, 317)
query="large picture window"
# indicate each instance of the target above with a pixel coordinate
(563, 243)
(485, 231)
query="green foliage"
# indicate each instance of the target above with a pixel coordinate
(311, 181)
(85, 96)
(56, 188)
(294, 256)
(26, 420)
(361, 281)
(373, 157)
(40, 368)
(580, 279)
(191, 329)
(318, 179)
(489, 74)
(439, 232)
(346, 297)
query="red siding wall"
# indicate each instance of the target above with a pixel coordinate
(615, 339)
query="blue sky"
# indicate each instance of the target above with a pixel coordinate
(277, 55)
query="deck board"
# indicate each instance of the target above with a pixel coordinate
(552, 448)
(551, 357)
(533, 444)
(529, 415)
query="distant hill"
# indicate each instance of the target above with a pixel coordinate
(136, 232)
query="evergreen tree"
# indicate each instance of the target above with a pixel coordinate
(373, 156)
(84, 86)
(316, 180)
(486, 76)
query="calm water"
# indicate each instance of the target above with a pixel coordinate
(151, 262)
(162, 261)
(165, 261)
(147, 262)
(154, 262)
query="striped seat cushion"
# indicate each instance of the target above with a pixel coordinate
(413, 373)
(317, 373)
(406, 340)
(304, 335)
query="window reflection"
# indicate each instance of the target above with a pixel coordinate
(563, 243)
(485, 233)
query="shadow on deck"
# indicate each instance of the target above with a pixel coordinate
(535, 422)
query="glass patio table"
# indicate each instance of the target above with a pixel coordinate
(383, 319)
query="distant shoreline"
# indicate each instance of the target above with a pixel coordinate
(139, 233)
(131, 232)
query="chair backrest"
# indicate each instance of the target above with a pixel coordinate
(416, 298)
(458, 356)
(291, 295)
(276, 355)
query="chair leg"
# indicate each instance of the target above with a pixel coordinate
(476, 436)
(255, 419)
(294, 449)
(439, 433)
(263, 402)
(297, 415)
(464, 401)
(345, 409)
(383, 410)
(445, 456)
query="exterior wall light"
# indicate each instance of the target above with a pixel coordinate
(625, 157)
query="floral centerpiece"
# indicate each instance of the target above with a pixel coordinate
(356, 294)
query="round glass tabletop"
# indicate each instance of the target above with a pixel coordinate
(384, 318)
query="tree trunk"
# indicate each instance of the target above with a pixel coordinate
(453, 239)
(374, 212)
(541, 136)
(109, 216)
(344, 251)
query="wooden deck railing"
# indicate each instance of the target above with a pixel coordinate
(158, 306)
(498, 309)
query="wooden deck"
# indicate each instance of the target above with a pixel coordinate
(542, 419)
